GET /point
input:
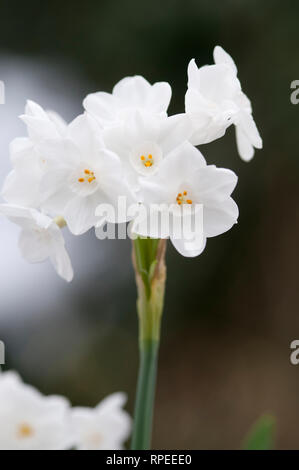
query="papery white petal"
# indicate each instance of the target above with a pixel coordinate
(20, 215)
(160, 97)
(174, 131)
(214, 184)
(46, 418)
(59, 122)
(79, 213)
(62, 263)
(220, 218)
(39, 129)
(102, 106)
(22, 190)
(139, 93)
(105, 427)
(245, 147)
(192, 74)
(34, 109)
(188, 248)
(247, 136)
(115, 400)
(222, 57)
(34, 246)
(85, 133)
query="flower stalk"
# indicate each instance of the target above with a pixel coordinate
(150, 271)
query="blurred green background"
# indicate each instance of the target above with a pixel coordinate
(230, 314)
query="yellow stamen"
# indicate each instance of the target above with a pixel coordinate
(25, 430)
(181, 198)
(147, 161)
(89, 178)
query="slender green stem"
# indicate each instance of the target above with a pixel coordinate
(145, 396)
(149, 263)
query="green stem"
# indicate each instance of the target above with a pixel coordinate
(145, 396)
(149, 263)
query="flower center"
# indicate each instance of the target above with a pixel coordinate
(88, 177)
(25, 431)
(182, 198)
(83, 180)
(147, 161)
(146, 157)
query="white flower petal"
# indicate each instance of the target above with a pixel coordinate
(222, 57)
(62, 264)
(29, 420)
(79, 213)
(105, 427)
(213, 184)
(245, 147)
(102, 106)
(188, 248)
(220, 218)
(174, 131)
(192, 74)
(136, 92)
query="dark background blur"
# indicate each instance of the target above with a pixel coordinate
(231, 313)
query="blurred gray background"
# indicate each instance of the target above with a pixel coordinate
(231, 313)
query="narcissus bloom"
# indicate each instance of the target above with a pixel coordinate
(29, 420)
(185, 180)
(144, 141)
(22, 184)
(215, 100)
(123, 151)
(129, 95)
(105, 427)
(82, 175)
(40, 238)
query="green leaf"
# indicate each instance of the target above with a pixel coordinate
(261, 435)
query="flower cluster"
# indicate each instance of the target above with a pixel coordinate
(125, 145)
(32, 421)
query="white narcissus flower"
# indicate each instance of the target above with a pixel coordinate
(105, 427)
(21, 185)
(214, 100)
(82, 176)
(144, 141)
(29, 420)
(40, 238)
(129, 95)
(184, 178)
